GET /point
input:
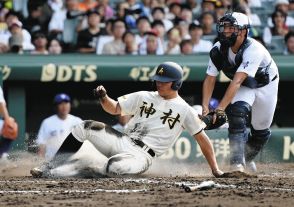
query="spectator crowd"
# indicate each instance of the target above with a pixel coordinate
(147, 27)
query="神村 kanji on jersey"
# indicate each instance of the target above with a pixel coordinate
(156, 121)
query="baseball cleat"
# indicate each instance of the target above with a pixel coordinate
(237, 167)
(41, 172)
(36, 172)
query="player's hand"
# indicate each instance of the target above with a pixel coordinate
(100, 92)
(214, 119)
(217, 173)
(205, 110)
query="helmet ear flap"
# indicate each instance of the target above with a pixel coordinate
(176, 85)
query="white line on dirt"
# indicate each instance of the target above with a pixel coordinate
(69, 191)
(180, 184)
(28, 181)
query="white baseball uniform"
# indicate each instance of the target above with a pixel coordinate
(53, 132)
(156, 122)
(263, 100)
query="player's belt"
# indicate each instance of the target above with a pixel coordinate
(144, 146)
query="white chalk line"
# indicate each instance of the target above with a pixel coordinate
(180, 184)
(37, 181)
(28, 181)
(70, 191)
(140, 180)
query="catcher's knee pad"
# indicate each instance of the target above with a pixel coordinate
(238, 116)
(257, 139)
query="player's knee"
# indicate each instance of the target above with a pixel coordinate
(81, 131)
(100, 126)
(115, 166)
(238, 116)
(93, 125)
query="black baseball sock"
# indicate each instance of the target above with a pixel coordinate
(70, 146)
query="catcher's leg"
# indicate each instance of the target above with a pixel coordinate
(257, 139)
(238, 116)
(5, 145)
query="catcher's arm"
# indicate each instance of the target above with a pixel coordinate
(208, 151)
(232, 89)
(108, 104)
(207, 89)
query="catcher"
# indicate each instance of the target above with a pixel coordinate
(251, 97)
(158, 118)
(8, 128)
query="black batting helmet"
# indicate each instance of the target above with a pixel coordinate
(169, 72)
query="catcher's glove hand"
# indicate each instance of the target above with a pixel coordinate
(220, 119)
(99, 92)
(10, 129)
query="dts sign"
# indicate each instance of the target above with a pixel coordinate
(63, 73)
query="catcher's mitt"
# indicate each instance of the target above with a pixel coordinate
(10, 129)
(221, 118)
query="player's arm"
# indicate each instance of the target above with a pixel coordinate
(234, 86)
(208, 151)
(108, 104)
(207, 90)
(3, 110)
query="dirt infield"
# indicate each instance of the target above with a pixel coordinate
(164, 186)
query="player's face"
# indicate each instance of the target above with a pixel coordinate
(164, 89)
(63, 108)
(228, 29)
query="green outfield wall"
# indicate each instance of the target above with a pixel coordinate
(30, 82)
(280, 147)
(90, 68)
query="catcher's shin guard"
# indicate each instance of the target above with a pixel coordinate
(238, 116)
(237, 148)
(257, 139)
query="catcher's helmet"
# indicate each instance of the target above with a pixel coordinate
(169, 72)
(238, 20)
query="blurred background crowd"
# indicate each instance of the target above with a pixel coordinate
(147, 27)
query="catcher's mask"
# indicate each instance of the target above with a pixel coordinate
(169, 72)
(234, 21)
